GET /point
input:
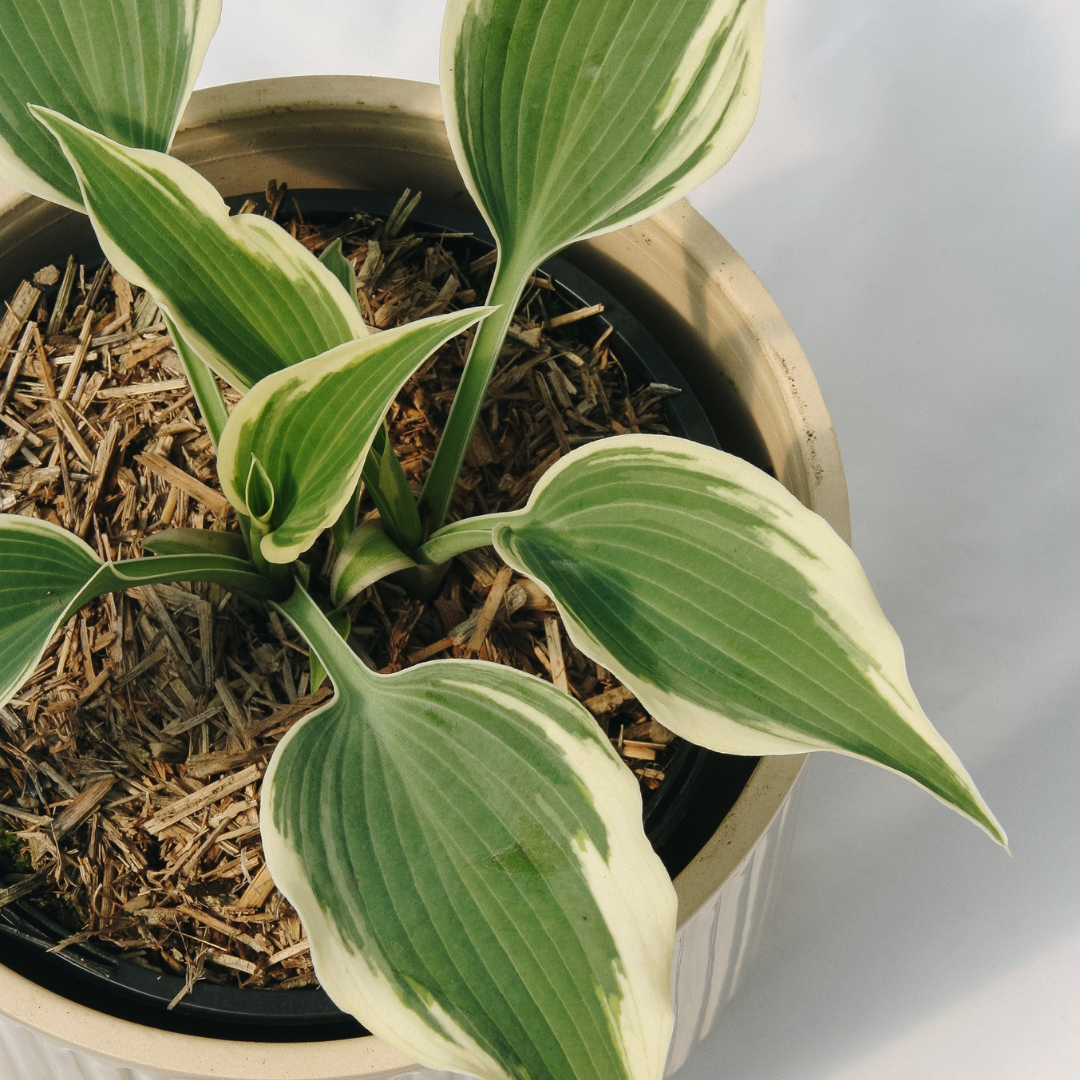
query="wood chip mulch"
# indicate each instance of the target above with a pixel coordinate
(131, 760)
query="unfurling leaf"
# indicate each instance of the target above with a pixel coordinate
(311, 426)
(259, 493)
(125, 68)
(340, 267)
(737, 617)
(466, 852)
(47, 574)
(247, 297)
(368, 556)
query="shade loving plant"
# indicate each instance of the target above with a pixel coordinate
(460, 839)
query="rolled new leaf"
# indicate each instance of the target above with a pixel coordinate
(738, 617)
(247, 297)
(568, 120)
(340, 267)
(47, 574)
(368, 556)
(466, 853)
(125, 68)
(310, 427)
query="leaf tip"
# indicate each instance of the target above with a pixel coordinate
(259, 492)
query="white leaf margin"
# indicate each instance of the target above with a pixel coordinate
(37, 527)
(839, 585)
(751, 40)
(635, 894)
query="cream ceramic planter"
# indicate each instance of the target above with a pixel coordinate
(695, 294)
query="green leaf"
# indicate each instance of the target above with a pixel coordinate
(389, 489)
(47, 574)
(738, 617)
(44, 573)
(340, 267)
(122, 67)
(312, 425)
(368, 556)
(343, 528)
(341, 621)
(196, 542)
(569, 119)
(246, 297)
(466, 853)
(204, 386)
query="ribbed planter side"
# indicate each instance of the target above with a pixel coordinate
(698, 297)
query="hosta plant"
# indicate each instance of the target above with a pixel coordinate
(460, 839)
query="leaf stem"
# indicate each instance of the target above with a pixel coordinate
(511, 277)
(461, 536)
(235, 574)
(278, 573)
(334, 654)
(204, 386)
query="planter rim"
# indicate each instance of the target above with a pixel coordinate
(139, 1046)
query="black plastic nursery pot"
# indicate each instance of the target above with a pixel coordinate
(699, 789)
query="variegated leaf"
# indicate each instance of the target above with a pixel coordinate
(368, 556)
(738, 617)
(246, 296)
(570, 119)
(310, 427)
(47, 574)
(122, 67)
(466, 853)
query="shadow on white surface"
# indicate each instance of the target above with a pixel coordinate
(926, 255)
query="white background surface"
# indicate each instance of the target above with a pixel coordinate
(910, 195)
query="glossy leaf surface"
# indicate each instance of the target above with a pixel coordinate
(122, 67)
(466, 853)
(311, 426)
(247, 297)
(738, 617)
